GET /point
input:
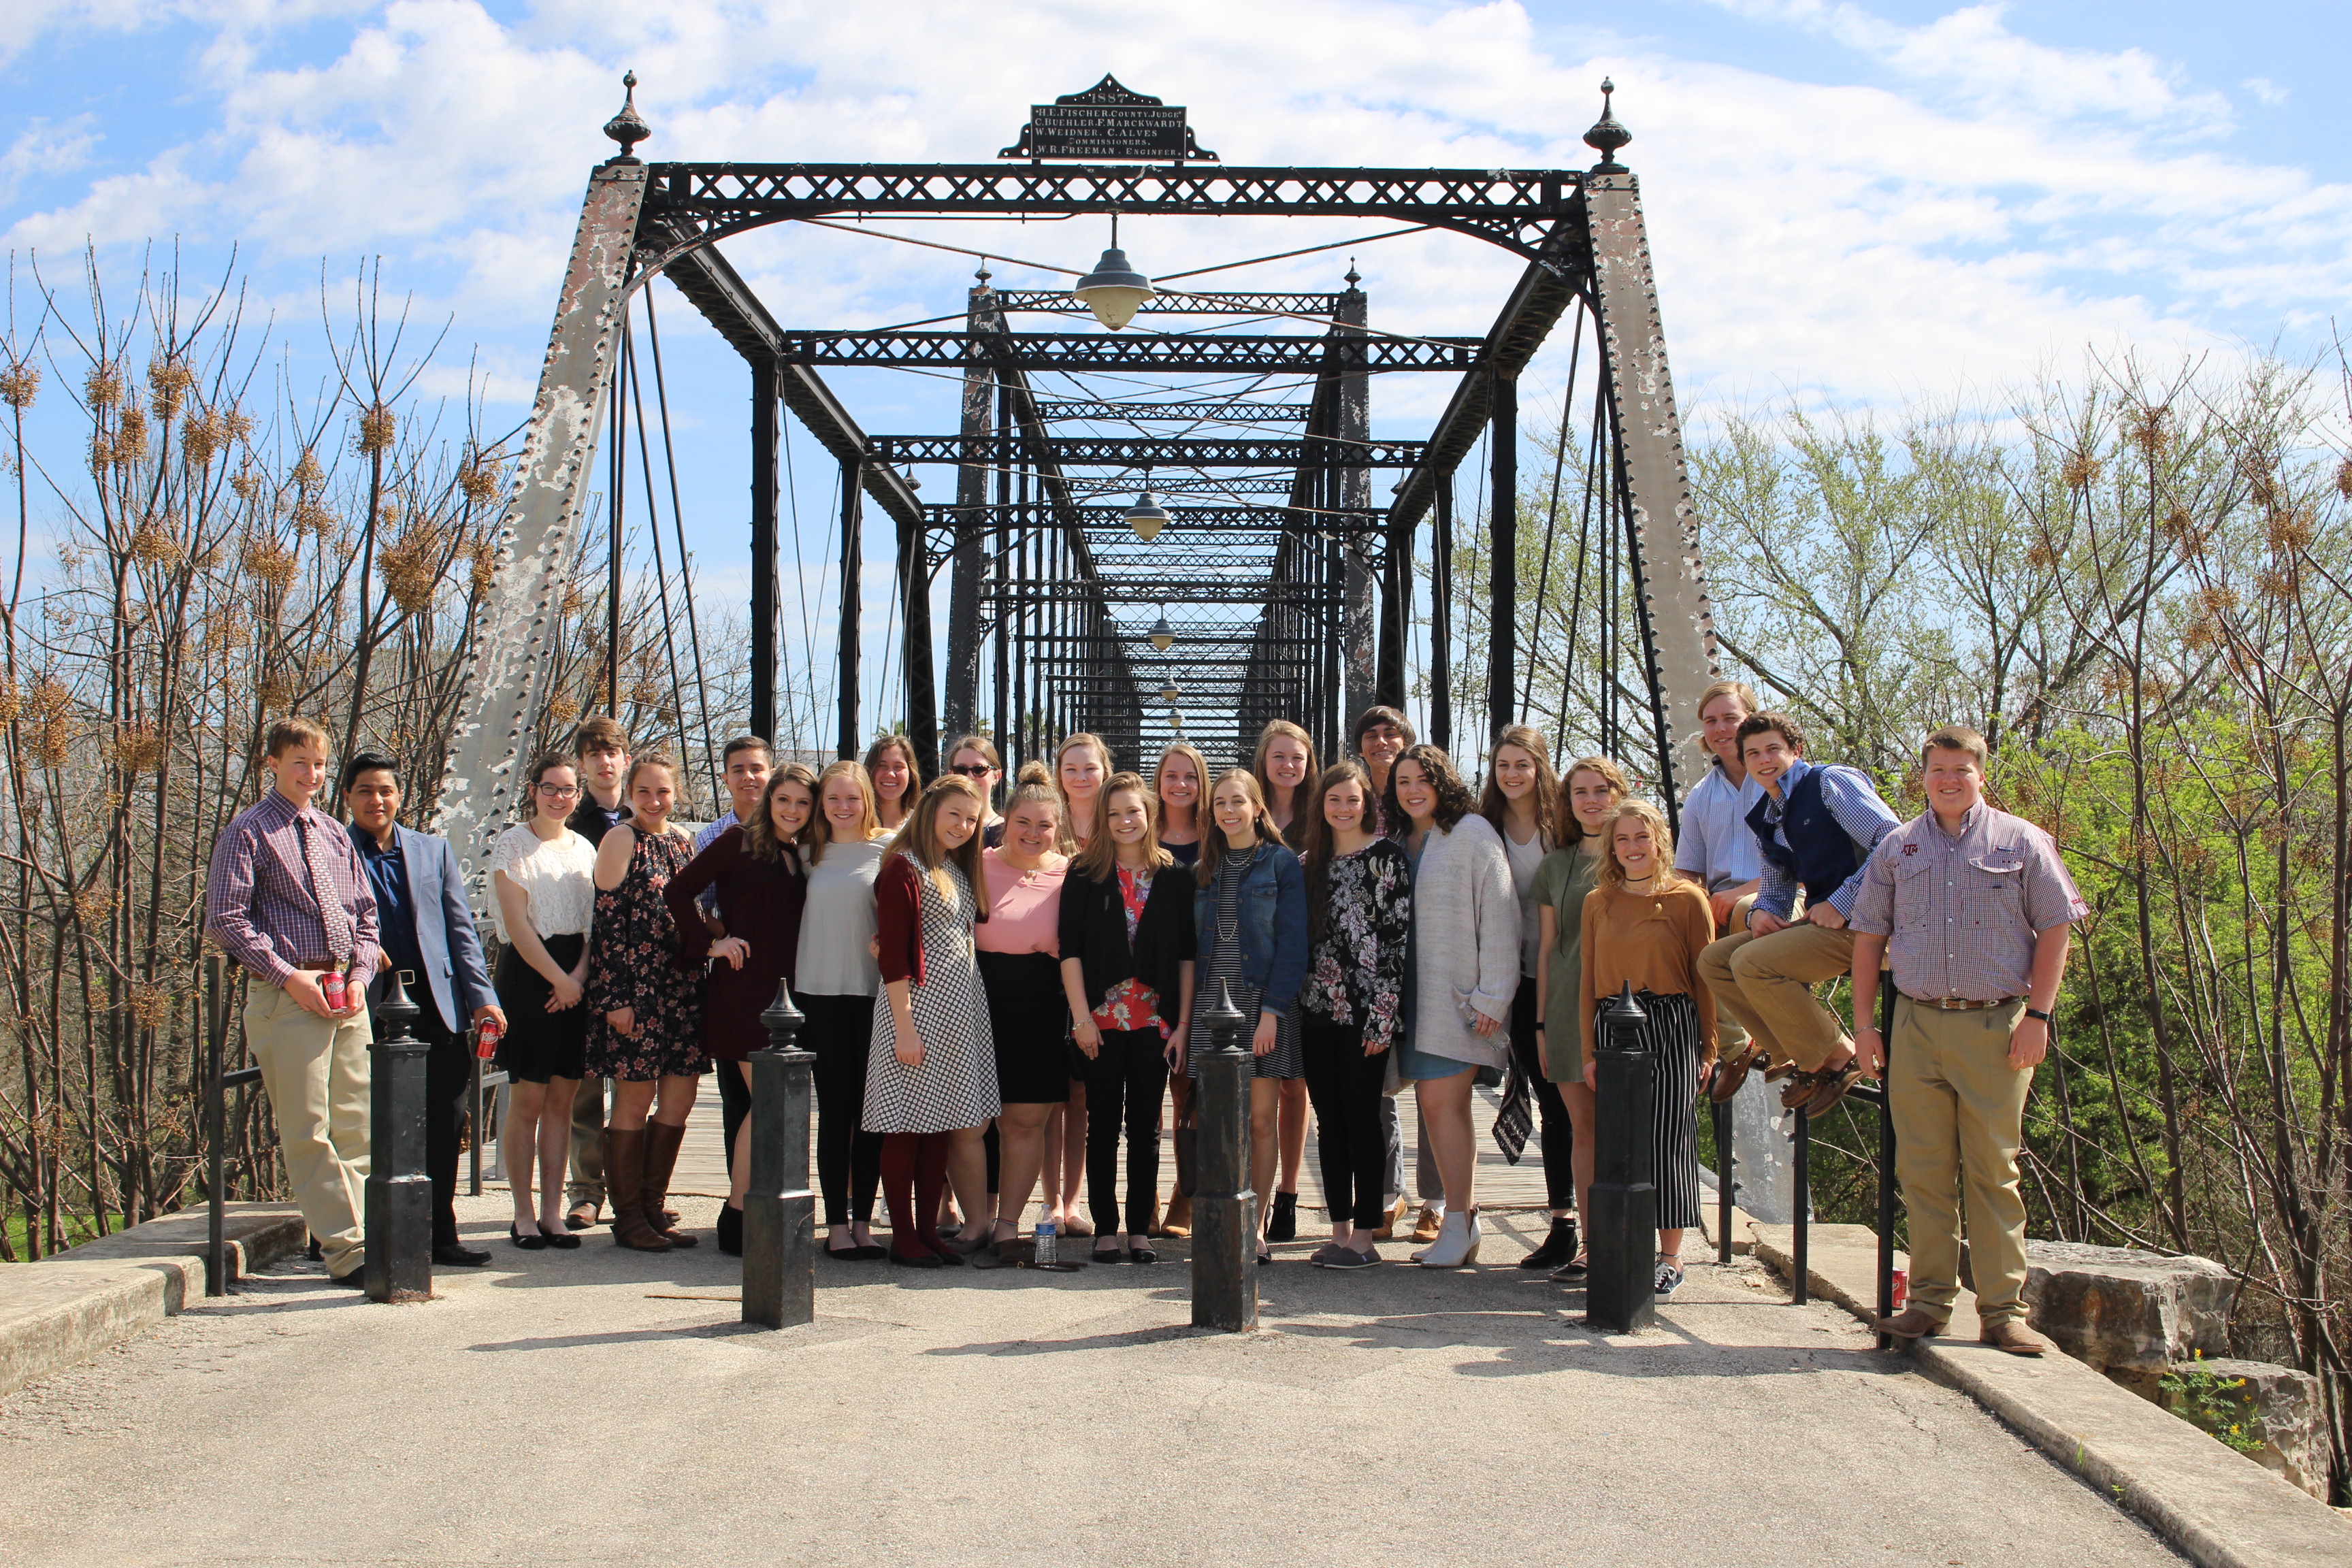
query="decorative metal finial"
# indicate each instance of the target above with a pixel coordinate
(1354, 277)
(1607, 134)
(983, 274)
(628, 127)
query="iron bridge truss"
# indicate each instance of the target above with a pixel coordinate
(1302, 607)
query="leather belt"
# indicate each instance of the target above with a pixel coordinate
(1958, 1004)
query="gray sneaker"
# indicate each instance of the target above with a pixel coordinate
(1669, 1280)
(1348, 1258)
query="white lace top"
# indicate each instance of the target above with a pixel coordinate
(558, 877)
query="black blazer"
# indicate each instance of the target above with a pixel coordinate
(1094, 931)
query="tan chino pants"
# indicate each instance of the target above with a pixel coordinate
(1960, 1116)
(587, 1186)
(316, 1072)
(1766, 984)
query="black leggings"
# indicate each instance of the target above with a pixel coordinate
(1129, 1069)
(1559, 1132)
(1344, 1084)
(840, 1030)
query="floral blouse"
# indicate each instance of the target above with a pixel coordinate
(1355, 973)
(1132, 1003)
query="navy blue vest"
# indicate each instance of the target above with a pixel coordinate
(1818, 854)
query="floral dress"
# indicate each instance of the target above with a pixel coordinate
(1355, 974)
(634, 943)
(1131, 1004)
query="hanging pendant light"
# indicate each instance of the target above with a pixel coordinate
(1162, 634)
(1170, 694)
(1147, 516)
(1114, 291)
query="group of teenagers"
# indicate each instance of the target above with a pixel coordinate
(1003, 992)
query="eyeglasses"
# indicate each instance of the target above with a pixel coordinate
(973, 770)
(559, 792)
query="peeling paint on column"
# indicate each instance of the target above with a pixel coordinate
(505, 673)
(1664, 520)
(1358, 618)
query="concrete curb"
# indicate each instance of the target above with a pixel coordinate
(71, 1306)
(2218, 1507)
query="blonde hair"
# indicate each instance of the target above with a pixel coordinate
(1496, 807)
(1569, 830)
(1212, 838)
(1200, 776)
(1299, 809)
(919, 837)
(1662, 837)
(1069, 844)
(1032, 786)
(1096, 861)
(820, 825)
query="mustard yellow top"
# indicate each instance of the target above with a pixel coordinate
(1652, 941)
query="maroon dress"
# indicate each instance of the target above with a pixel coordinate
(760, 902)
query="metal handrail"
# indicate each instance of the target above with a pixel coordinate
(1801, 1136)
(486, 1093)
(216, 1085)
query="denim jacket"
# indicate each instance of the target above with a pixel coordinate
(1272, 929)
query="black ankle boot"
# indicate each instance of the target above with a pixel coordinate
(1557, 1247)
(1283, 1223)
(731, 1230)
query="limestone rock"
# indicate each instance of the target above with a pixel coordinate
(2120, 1307)
(2276, 1405)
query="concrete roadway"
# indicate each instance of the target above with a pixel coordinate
(600, 1406)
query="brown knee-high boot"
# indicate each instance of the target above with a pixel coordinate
(662, 1142)
(625, 1171)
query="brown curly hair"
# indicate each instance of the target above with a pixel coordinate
(1453, 800)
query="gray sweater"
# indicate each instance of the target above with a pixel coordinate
(1465, 933)
(837, 923)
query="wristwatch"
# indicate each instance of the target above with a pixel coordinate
(2034, 1012)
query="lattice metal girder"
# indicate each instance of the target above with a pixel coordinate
(1148, 451)
(1035, 514)
(1176, 302)
(1515, 209)
(1182, 489)
(1181, 413)
(1122, 351)
(1174, 593)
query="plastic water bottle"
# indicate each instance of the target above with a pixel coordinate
(1046, 1236)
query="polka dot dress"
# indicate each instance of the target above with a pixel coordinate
(956, 1085)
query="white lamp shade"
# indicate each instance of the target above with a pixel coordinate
(1114, 291)
(1146, 517)
(1163, 635)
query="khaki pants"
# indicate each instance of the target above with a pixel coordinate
(588, 1143)
(1731, 1035)
(1766, 982)
(316, 1072)
(1959, 1115)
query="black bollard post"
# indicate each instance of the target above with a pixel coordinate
(1225, 1209)
(1727, 1181)
(778, 1211)
(398, 1262)
(1886, 1158)
(1622, 1234)
(1801, 1242)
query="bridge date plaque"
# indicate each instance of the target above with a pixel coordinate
(1106, 122)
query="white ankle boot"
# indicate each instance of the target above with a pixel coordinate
(1456, 1244)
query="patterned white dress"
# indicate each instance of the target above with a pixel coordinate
(956, 1085)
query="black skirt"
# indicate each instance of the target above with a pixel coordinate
(540, 1045)
(1031, 1020)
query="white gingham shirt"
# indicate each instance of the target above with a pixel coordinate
(1961, 912)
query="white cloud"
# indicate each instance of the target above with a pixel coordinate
(2268, 91)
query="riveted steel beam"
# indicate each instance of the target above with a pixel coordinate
(1122, 351)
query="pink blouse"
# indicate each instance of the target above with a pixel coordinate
(1023, 906)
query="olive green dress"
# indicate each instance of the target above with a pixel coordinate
(1561, 882)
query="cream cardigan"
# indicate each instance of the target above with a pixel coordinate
(1466, 934)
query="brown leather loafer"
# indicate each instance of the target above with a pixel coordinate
(1833, 1083)
(2011, 1335)
(1733, 1072)
(1802, 1086)
(1910, 1323)
(1778, 1071)
(1426, 1226)
(580, 1217)
(1388, 1226)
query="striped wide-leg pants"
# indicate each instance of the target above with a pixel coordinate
(1670, 1040)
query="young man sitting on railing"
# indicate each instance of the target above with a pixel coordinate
(1975, 905)
(1815, 825)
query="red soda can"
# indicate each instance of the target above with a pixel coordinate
(487, 1035)
(330, 985)
(1902, 1291)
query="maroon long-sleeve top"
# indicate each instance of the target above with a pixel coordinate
(759, 901)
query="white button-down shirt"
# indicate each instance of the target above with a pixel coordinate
(1716, 845)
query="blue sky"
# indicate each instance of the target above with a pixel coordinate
(1851, 204)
